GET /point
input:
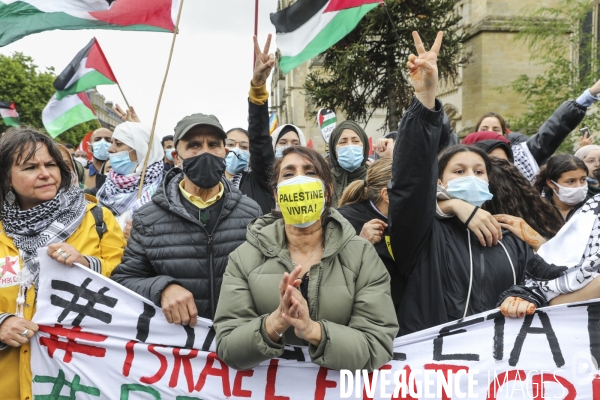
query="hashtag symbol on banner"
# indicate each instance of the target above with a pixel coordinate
(71, 345)
(82, 292)
(59, 382)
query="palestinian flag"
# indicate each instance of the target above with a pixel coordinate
(9, 114)
(19, 18)
(309, 27)
(327, 121)
(88, 69)
(60, 115)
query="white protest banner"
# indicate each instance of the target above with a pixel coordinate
(98, 340)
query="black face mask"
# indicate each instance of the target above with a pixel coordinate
(204, 170)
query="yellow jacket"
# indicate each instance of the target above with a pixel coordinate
(15, 369)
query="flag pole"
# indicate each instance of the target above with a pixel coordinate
(255, 27)
(123, 94)
(162, 89)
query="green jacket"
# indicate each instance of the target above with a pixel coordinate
(348, 293)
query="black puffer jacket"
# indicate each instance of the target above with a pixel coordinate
(168, 245)
(435, 255)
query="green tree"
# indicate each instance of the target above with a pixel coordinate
(367, 69)
(21, 82)
(561, 39)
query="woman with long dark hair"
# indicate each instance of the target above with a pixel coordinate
(563, 183)
(516, 205)
(40, 207)
(441, 260)
(513, 195)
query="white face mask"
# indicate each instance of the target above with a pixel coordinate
(571, 196)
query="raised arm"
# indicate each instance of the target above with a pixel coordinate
(412, 191)
(262, 155)
(556, 128)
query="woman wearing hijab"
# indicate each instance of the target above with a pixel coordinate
(349, 152)
(127, 154)
(41, 207)
(590, 155)
(285, 136)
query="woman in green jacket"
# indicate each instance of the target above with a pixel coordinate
(305, 280)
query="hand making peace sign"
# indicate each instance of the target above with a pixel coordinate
(423, 70)
(264, 63)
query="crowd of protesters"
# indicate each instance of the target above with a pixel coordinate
(280, 246)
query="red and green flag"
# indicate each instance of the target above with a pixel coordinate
(19, 18)
(309, 27)
(88, 69)
(9, 114)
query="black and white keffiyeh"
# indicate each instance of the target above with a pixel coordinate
(119, 193)
(525, 162)
(570, 260)
(51, 222)
(236, 180)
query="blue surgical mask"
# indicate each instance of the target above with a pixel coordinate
(169, 154)
(279, 151)
(592, 181)
(236, 160)
(100, 149)
(471, 189)
(121, 163)
(350, 157)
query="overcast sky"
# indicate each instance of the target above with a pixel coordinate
(210, 72)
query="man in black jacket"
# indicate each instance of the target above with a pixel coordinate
(180, 241)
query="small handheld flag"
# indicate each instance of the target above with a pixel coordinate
(327, 122)
(9, 114)
(273, 123)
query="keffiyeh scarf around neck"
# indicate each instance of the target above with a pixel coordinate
(571, 260)
(51, 222)
(119, 192)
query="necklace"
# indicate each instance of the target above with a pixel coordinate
(311, 256)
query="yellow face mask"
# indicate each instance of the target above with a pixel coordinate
(301, 200)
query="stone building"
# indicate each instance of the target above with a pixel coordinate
(107, 117)
(496, 59)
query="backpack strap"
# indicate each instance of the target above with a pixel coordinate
(99, 218)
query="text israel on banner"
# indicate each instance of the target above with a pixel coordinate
(99, 340)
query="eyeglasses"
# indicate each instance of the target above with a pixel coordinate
(230, 143)
(592, 161)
